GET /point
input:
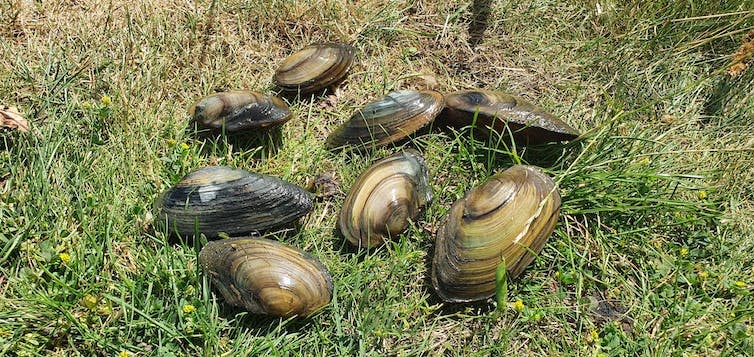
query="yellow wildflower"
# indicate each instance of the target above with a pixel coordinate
(702, 195)
(171, 142)
(684, 252)
(89, 301)
(740, 284)
(123, 354)
(106, 100)
(594, 335)
(65, 257)
(702, 275)
(518, 305)
(184, 146)
(188, 308)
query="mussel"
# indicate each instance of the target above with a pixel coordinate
(384, 199)
(222, 199)
(267, 277)
(389, 119)
(314, 68)
(527, 123)
(238, 111)
(509, 217)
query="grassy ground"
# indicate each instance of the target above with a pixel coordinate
(652, 255)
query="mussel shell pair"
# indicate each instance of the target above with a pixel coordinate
(266, 277)
(509, 217)
(387, 120)
(238, 111)
(502, 113)
(384, 199)
(222, 199)
(314, 68)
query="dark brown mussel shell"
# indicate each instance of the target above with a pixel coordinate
(384, 199)
(219, 199)
(527, 123)
(238, 111)
(387, 120)
(267, 277)
(314, 68)
(509, 217)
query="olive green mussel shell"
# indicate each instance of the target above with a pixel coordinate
(266, 277)
(527, 123)
(222, 199)
(238, 111)
(508, 217)
(314, 68)
(384, 199)
(387, 120)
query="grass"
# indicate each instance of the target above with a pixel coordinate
(652, 255)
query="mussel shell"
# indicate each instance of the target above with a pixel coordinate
(508, 217)
(389, 119)
(267, 277)
(222, 199)
(384, 199)
(240, 110)
(314, 68)
(528, 123)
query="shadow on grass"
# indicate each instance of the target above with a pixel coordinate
(480, 13)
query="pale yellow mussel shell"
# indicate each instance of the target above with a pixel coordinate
(384, 199)
(509, 217)
(267, 277)
(314, 68)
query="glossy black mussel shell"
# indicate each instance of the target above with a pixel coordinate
(222, 199)
(504, 114)
(240, 111)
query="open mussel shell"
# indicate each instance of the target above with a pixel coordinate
(314, 68)
(387, 120)
(526, 122)
(384, 199)
(239, 111)
(509, 217)
(222, 199)
(266, 277)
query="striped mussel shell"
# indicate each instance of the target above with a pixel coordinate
(387, 120)
(239, 111)
(314, 68)
(507, 218)
(500, 112)
(219, 199)
(266, 277)
(384, 199)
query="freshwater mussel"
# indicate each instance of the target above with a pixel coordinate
(389, 119)
(239, 111)
(267, 277)
(507, 218)
(527, 123)
(314, 68)
(222, 199)
(384, 199)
